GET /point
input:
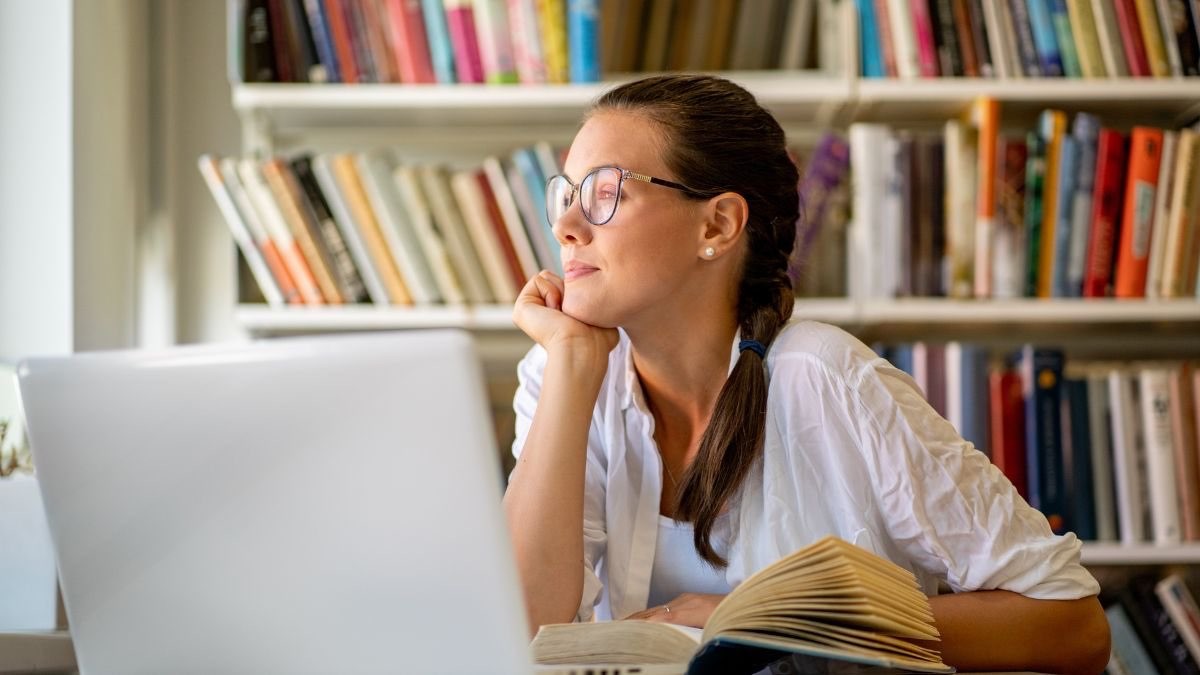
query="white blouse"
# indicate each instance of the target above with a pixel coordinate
(851, 449)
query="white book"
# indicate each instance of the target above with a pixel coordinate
(349, 229)
(1128, 460)
(491, 250)
(408, 181)
(512, 218)
(954, 389)
(747, 51)
(495, 41)
(1155, 395)
(1109, 36)
(402, 241)
(528, 55)
(1181, 607)
(960, 209)
(531, 218)
(1100, 434)
(1000, 49)
(797, 36)
(462, 252)
(233, 183)
(1180, 227)
(1156, 263)
(904, 39)
(245, 241)
(271, 217)
(874, 276)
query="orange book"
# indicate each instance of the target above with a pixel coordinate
(289, 250)
(1141, 182)
(1053, 125)
(496, 219)
(317, 259)
(985, 118)
(1152, 38)
(339, 33)
(356, 199)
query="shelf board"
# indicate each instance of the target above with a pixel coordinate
(1174, 100)
(920, 316)
(794, 95)
(1097, 553)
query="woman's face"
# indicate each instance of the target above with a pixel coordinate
(645, 255)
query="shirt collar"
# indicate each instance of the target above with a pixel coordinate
(633, 387)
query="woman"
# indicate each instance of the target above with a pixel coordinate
(660, 465)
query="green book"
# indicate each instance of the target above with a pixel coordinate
(1035, 171)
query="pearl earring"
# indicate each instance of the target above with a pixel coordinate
(710, 251)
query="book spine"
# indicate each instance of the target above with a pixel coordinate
(323, 173)
(1043, 388)
(966, 39)
(1035, 171)
(351, 184)
(1146, 625)
(438, 34)
(583, 27)
(360, 41)
(923, 29)
(312, 69)
(1179, 263)
(1152, 38)
(497, 220)
(1008, 427)
(1112, 50)
(552, 22)
(1083, 27)
(258, 230)
(343, 261)
(1077, 459)
(280, 37)
(491, 255)
(1004, 40)
(259, 52)
(1068, 168)
(526, 163)
(1065, 38)
(1187, 463)
(460, 20)
(527, 41)
(409, 41)
(1128, 652)
(1160, 223)
(339, 32)
(949, 56)
(870, 51)
(887, 42)
(1052, 125)
(1044, 39)
(311, 246)
(1131, 38)
(1086, 130)
(430, 236)
(512, 218)
(1099, 413)
(983, 50)
(323, 40)
(1106, 212)
(1177, 600)
(1008, 254)
(495, 42)
(289, 249)
(461, 254)
(1179, 658)
(1167, 31)
(904, 39)
(1145, 149)
(1026, 45)
(1187, 35)
(827, 168)
(985, 117)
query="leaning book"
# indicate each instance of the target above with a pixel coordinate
(828, 607)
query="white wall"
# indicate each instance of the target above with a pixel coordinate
(36, 197)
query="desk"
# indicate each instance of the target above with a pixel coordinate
(42, 652)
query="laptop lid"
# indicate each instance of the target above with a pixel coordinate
(324, 505)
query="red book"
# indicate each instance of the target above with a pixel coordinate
(340, 33)
(1131, 38)
(926, 48)
(1106, 212)
(885, 37)
(460, 21)
(279, 41)
(497, 219)
(407, 36)
(1007, 422)
(1141, 184)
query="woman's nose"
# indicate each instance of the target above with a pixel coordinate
(571, 227)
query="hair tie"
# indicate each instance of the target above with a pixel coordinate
(754, 346)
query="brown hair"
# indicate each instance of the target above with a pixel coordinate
(719, 139)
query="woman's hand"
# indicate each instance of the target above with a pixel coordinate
(689, 609)
(538, 312)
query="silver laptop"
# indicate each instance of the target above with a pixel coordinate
(310, 505)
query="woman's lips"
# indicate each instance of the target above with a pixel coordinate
(577, 272)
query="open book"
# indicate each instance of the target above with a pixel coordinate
(829, 601)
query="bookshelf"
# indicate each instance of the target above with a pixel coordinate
(1108, 554)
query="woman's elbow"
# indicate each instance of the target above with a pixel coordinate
(1094, 641)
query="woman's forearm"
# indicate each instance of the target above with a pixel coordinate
(1001, 630)
(544, 500)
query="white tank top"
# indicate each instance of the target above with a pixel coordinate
(678, 568)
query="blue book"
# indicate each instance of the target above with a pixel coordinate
(868, 29)
(527, 164)
(1127, 649)
(1065, 38)
(583, 42)
(1085, 129)
(438, 33)
(975, 397)
(318, 23)
(1068, 169)
(1077, 455)
(902, 357)
(1023, 33)
(1044, 39)
(1041, 379)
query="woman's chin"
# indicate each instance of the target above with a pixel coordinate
(583, 310)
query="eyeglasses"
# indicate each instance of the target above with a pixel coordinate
(599, 193)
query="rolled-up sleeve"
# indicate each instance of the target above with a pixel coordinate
(595, 537)
(947, 506)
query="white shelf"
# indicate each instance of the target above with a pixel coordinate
(932, 314)
(1095, 553)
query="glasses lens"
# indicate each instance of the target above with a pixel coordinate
(558, 198)
(599, 194)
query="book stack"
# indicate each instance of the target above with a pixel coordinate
(1028, 38)
(521, 41)
(1071, 208)
(344, 228)
(1107, 450)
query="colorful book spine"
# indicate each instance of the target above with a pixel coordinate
(527, 41)
(887, 42)
(1106, 213)
(258, 230)
(349, 277)
(495, 42)
(1183, 231)
(552, 21)
(1068, 169)
(1187, 35)
(827, 168)
(411, 50)
(1077, 459)
(1044, 39)
(1162, 206)
(1042, 371)
(322, 170)
(339, 32)
(1154, 386)
(946, 38)
(322, 40)
(1085, 129)
(1052, 125)
(1035, 173)
(966, 39)
(1023, 33)
(1007, 423)
(1008, 259)
(923, 29)
(1064, 36)
(983, 52)
(1131, 38)
(1133, 252)
(1087, 41)
(1152, 38)
(357, 24)
(460, 22)
(869, 40)
(1108, 34)
(583, 40)
(985, 118)
(438, 33)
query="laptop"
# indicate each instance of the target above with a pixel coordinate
(302, 505)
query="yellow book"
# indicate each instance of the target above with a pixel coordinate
(1087, 40)
(1152, 37)
(552, 20)
(830, 605)
(1052, 126)
(356, 198)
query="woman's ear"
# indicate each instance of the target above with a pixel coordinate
(725, 218)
